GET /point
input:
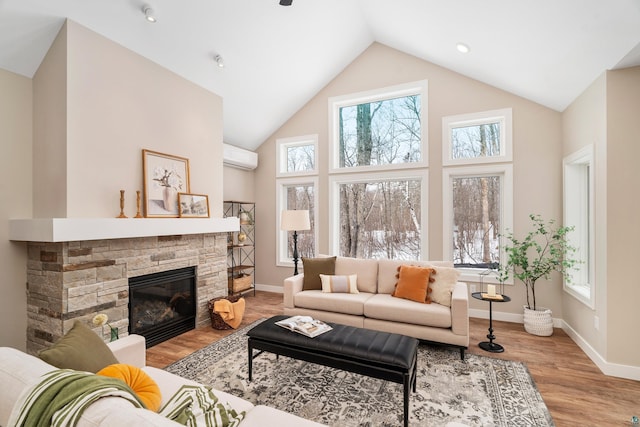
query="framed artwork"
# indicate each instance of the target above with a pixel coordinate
(164, 177)
(193, 205)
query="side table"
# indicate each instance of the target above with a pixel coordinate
(490, 345)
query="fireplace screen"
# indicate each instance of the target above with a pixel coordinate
(162, 305)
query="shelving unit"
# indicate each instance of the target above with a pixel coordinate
(241, 259)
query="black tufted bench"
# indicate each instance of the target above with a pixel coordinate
(376, 354)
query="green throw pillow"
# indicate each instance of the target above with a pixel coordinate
(313, 268)
(80, 349)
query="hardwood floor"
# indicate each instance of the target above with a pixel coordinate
(573, 388)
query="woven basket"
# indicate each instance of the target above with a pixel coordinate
(538, 322)
(241, 283)
(216, 320)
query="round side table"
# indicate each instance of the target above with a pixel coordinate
(490, 345)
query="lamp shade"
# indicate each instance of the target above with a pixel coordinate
(295, 220)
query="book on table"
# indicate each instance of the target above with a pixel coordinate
(305, 325)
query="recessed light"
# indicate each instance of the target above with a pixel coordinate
(148, 14)
(463, 48)
(219, 61)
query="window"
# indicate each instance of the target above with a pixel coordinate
(477, 189)
(379, 129)
(475, 215)
(477, 138)
(378, 216)
(296, 194)
(579, 213)
(378, 173)
(297, 156)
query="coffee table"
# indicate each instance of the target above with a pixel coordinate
(383, 355)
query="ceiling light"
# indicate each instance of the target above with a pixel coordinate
(148, 14)
(463, 48)
(219, 61)
(285, 2)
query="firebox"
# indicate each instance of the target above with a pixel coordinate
(162, 305)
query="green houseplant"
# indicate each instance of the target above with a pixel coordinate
(543, 250)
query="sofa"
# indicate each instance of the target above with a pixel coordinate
(19, 371)
(374, 306)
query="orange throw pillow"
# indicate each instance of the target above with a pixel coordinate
(413, 283)
(140, 382)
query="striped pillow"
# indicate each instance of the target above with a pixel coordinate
(339, 284)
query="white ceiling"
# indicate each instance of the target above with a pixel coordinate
(277, 58)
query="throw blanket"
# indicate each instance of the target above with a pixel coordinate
(230, 312)
(197, 406)
(63, 395)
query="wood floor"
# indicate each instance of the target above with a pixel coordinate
(573, 388)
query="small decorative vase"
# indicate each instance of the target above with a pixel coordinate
(538, 322)
(170, 199)
(241, 237)
(114, 333)
(244, 217)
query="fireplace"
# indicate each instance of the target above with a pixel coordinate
(162, 305)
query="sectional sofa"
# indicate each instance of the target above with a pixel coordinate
(374, 307)
(19, 371)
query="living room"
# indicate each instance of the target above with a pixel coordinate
(65, 157)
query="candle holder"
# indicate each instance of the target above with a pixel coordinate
(138, 215)
(122, 215)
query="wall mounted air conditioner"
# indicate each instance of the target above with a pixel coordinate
(239, 157)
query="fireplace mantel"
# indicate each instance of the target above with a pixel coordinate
(79, 229)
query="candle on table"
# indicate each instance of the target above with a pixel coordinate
(491, 290)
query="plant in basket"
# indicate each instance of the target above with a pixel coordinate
(543, 250)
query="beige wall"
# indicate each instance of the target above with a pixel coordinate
(96, 105)
(50, 132)
(238, 184)
(584, 124)
(623, 223)
(118, 103)
(15, 191)
(537, 154)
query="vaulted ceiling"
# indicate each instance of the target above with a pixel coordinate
(276, 57)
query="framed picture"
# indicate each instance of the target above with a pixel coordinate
(193, 205)
(164, 177)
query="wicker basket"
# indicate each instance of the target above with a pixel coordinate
(240, 283)
(216, 320)
(538, 322)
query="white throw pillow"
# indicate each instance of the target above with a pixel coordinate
(339, 284)
(442, 288)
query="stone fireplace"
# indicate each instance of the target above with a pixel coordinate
(75, 280)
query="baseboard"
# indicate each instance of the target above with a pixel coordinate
(607, 368)
(269, 288)
(507, 317)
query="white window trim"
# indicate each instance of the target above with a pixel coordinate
(578, 185)
(282, 144)
(503, 116)
(506, 214)
(334, 202)
(282, 259)
(336, 102)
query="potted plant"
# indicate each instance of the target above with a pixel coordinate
(543, 250)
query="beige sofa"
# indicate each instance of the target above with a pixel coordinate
(19, 371)
(374, 307)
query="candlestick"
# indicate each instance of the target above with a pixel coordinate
(138, 215)
(122, 215)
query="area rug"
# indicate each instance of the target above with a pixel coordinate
(477, 391)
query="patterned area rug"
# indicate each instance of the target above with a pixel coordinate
(479, 391)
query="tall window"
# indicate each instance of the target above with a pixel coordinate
(579, 213)
(378, 179)
(297, 185)
(477, 193)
